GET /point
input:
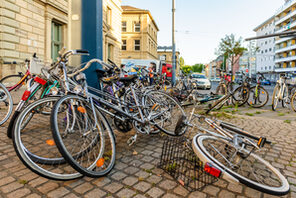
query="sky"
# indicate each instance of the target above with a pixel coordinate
(200, 24)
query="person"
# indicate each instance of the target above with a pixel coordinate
(151, 73)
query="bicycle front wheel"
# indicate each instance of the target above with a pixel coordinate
(240, 96)
(16, 91)
(293, 101)
(6, 104)
(275, 97)
(245, 166)
(258, 97)
(163, 111)
(83, 136)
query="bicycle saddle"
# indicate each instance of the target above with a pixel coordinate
(128, 79)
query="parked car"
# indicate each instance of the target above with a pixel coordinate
(265, 82)
(200, 81)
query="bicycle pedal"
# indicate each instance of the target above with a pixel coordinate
(261, 142)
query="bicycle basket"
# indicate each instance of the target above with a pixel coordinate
(179, 161)
(35, 66)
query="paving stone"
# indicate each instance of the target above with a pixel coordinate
(71, 195)
(142, 174)
(198, 194)
(249, 192)
(167, 184)
(101, 181)
(113, 187)
(118, 176)
(126, 193)
(235, 188)
(19, 193)
(181, 191)
(47, 187)
(11, 187)
(155, 192)
(6, 180)
(59, 192)
(95, 193)
(33, 196)
(154, 179)
(211, 190)
(147, 166)
(38, 181)
(225, 193)
(130, 181)
(142, 186)
(169, 195)
(81, 189)
(131, 170)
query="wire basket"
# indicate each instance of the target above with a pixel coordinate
(36, 65)
(179, 161)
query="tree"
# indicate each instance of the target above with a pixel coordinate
(186, 69)
(198, 68)
(231, 48)
(182, 62)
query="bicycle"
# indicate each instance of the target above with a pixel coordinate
(232, 154)
(258, 96)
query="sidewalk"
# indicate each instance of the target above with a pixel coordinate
(136, 173)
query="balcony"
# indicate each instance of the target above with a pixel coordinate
(284, 59)
(287, 27)
(281, 20)
(282, 40)
(288, 48)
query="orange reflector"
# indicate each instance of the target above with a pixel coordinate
(81, 109)
(50, 142)
(209, 168)
(100, 162)
(263, 92)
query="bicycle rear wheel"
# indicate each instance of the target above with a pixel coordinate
(87, 145)
(10, 83)
(240, 96)
(249, 168)
(6, 104)
(258, 97)
(34, 145)
(275, 97)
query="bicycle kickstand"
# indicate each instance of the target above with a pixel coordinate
(132, 140)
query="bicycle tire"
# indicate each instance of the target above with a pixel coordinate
(221, 89)
(9, 82)
(275, 100)
(199, 146)
(293, 102)
(242, 98)
(5, 102)
(164, 107)
(97, 145)
(34, 145)
(252, 96)
(284, 101)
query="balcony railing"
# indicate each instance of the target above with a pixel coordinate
(284, 28)
(280, 59)
(288, 48)
(284, 18)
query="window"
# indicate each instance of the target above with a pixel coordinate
(137, 27)
(123, 26)
(110, 51)
(123, 47)
(109, 16)
(56, 39)
(137, 45)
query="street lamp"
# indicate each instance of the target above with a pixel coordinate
(173, 43)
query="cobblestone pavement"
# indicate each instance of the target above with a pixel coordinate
(136, 173)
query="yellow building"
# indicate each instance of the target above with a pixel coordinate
(139, 34)
(285, 48)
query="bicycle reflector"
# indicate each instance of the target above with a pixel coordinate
(212, 170)
(40, 80)
(26, 95)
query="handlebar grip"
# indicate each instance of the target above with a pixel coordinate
(81, 51)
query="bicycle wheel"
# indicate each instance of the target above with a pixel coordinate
(163, 111)
(275, 97)
(248, 168)
(258, 97)
(221, 90)
(6, 104)
(240, 96)
(10, 83)
(85, 143)
(34, 145)
(293, 101)
(285, 100)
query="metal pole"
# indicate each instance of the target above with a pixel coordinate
(173, 43)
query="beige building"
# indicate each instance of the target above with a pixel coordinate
(166, 56)
(29, 26)
(139, 34)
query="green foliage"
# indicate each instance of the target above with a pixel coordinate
(182, 62)
(198, 68)
(186, 69)
(281, 114)
(287, 121)
(249, 114)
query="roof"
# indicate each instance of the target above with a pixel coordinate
(133, 10)
(265, 22)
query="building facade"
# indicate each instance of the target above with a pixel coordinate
(28, 27)
(265, 53)
(285, 48)
(166, 57)
(139, 34)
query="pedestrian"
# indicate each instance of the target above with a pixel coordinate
(151, 74)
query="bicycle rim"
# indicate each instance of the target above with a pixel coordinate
(258, 98)
(88, 146)
(10, 83)
(6, 104)
(275, 98)
(251, 170)
(34, 145)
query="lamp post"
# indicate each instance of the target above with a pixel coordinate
(173, 43)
